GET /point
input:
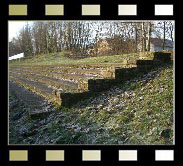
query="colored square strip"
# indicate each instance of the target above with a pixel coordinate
(91, 10)
(91, 155)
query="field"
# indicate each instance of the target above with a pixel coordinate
(139, 111)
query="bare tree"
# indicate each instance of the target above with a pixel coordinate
(149, 36)
(78, 36)
(143, 37)
(164, 34)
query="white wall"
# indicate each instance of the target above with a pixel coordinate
(21, 55)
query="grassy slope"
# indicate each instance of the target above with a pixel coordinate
(139, 111)
(58, 58)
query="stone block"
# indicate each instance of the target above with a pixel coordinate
(156, 56)
(129, 61)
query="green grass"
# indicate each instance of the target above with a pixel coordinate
(135, 112)
(59, 58)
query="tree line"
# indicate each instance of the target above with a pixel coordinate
(77, 37)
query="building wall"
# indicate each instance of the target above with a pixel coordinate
(158, 48)
(153, 48)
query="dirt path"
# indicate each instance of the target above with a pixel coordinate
(27, 97)
(24, 107)
(37, 105)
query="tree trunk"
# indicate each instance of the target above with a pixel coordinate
(149, 36)
(143, 38)
(164, 35)
(136, 37)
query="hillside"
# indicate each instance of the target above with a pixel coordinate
(60, 58)
(139, 111)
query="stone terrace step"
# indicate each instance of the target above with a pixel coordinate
(102, 72)
(157, 57)
(79, 79)
(55, 74)
(69, 83)
(55, 96)
(79, 66)
(64, 82)
(51, 82)
(36, 87)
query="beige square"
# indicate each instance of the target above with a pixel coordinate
(54, 10)
(54, 155)
(90, 10)
(17, 10)
(18, 155)
(127, 155)
(91, 155)
(127, 9)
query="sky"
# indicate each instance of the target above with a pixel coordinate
(15, 27)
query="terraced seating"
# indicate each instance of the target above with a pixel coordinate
(49, 81)
(60, 80)
(57, 96)
(67, 83)
(60, 84)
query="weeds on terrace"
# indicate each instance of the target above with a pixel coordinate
(139, 111)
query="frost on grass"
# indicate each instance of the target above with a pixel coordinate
(139, 111)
